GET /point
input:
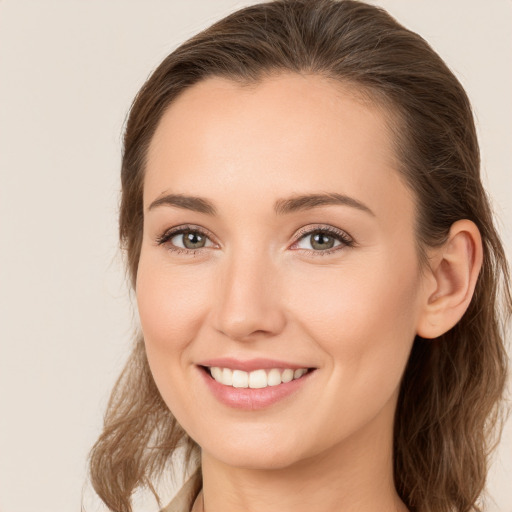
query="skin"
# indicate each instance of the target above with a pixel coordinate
(257, 290)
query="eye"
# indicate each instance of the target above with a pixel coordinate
(318, 241)
(185, 239)
(323, 240)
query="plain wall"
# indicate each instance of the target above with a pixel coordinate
(69, 70)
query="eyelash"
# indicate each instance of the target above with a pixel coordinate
(341, 236)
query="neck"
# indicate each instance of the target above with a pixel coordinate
(354, 476)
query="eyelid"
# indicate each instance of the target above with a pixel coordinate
(183, 228)
(324, 228)
(345, 239)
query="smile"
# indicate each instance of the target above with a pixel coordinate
(254, 384)
(256, 379)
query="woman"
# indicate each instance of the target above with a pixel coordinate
(316, 269)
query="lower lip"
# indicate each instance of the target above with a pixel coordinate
(253, 399)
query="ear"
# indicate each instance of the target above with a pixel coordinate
(452, 277)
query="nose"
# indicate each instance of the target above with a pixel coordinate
(248, 302)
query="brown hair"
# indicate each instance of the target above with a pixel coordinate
(449, 413)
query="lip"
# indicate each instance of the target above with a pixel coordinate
(250, 399)
(250, 365)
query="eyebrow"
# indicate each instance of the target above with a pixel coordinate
(281, 206)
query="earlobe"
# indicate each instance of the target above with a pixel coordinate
(454, 272)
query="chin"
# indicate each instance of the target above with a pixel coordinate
(256, 460)
(251, 452)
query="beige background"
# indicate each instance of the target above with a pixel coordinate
(68, 72)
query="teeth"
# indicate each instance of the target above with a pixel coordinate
(216, 373)
(240, 379)
(299, 373)
(256, 379)
(287, 376)
(227, 377)
(274, 377)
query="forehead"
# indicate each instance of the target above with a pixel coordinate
(287, 133)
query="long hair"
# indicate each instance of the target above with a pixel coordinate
(449, 412)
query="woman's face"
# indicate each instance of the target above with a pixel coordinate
(266, 280)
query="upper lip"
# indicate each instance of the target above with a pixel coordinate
(250, 364)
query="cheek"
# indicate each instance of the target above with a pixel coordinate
(364, 318)
(165, 301)
(170, 306)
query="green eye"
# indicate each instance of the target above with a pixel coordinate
(325, 240)
(184, 239)
(317, 241)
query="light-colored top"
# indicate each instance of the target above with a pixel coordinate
(180, 502)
